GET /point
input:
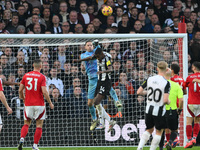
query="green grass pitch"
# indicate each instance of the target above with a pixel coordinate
(98, 148)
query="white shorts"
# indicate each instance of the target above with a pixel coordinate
(1, 120)
(34, 112)
(193, 110)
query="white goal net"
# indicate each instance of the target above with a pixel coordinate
(134, 59)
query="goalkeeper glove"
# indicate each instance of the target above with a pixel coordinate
(179, 111)
(95, 43)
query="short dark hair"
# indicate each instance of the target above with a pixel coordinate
(87, 42)
(175, 68)
(196, 64)
(98, 51)
(37, 61)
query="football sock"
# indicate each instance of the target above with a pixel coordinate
(105, 115)
(167, 136)
(173, 137)
(38, 135)
(144, 139)
(196, 130)
(113, 94)
(93, 112)
(189, 131)
(0, 127)
(161, 144)
(100, 113)
(155, 142)
(24, 131)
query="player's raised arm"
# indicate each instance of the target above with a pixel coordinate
(21, 93)
(46, 95)
(3, 100)
(84, 59)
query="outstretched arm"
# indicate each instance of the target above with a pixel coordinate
(84, 59)
(3, 100)
(21, 93)
(10, 83)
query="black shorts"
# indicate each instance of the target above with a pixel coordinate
(172, 119)
(103, 87)
(159, 122)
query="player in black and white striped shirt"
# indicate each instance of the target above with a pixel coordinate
(157, 96)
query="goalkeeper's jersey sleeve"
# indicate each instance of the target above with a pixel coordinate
(91, 65)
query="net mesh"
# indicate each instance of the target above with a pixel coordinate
(133, 60)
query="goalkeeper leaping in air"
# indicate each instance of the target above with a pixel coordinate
(91, 69)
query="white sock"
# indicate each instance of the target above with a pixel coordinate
(100, 113)
(155, 142)
(34, 145)
(105, 115)
(0, 127)
(21, 139)
(144, 139)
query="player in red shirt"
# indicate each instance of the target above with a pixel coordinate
(3, 100)
(193, 106)
(34, 84)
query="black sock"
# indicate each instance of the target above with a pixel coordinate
(161, 144)
(173, 137)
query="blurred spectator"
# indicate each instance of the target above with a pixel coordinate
(113, 54)
(45, 69)
(138, 27)
(45, 51)
(141, 64)
(90, 29)
(141, 78)
(28, 8)
(30, 20)
(9, 5)
(73, 6)
(56, 81)
(157, 28)
(75, 82)
(12, 26)
(117, 48)
(20, 73)
(190, 30)
(7, 16)
(56, 27)
(125, 86)
(111, 4)
(149, 13)
(47, 17)
(166, 29)
(190, 4)
(83, 76)
(128, 68)
(10, 90)
(119, 13)
(169, 22)
(97, 26)
(106, 45)
(57, 66)
(2, 30)
(5, 66)
(54, 6)
(67, 79)
(35, 20)
(73, 20)
(37, 29)
(142, 18)
(122, 4)
(142, 5)
(193, 18)
(78, 29)
(65, 28)
(63, 14)
(160, 11)
(78, 104)
(189, 64)
(149, 69)
(114, 28)
(194, 48)
(21, 29)
(117, 69)
(108, 31)
(187, 13)
(124, 26)
(22, 15)
(109, 21)
(131, 4)
(174, 28)
(9, 54)
(134, 15)
(130, 53)
(197, 27)
(34, 3)
(167, 57)
(83, 15)
(91, 11)
(149, 27)
(179, 5)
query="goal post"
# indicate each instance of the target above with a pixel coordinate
(134, 58)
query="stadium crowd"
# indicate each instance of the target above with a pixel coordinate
(131, 61)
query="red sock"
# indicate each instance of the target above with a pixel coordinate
(196, 130)
(167, 136)
(37, 136)
(189, 131)
(24, 131)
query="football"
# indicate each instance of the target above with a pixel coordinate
(107, 11)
